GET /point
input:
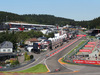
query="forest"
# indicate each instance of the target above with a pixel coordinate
(34, 18)
(47, 19)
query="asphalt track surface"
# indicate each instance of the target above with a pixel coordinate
(52, 62)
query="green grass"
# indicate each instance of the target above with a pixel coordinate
(62, 60)
(36, 69)
(76, 47)
(91, 37)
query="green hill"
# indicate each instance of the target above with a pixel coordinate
(33, 18)
(47, 19)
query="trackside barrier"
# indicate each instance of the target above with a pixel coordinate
(89, 46)
(85, 50)
(67, 57)
(81, 35)
(92, 43)
(87, 62)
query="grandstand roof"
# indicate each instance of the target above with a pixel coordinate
(28, 24)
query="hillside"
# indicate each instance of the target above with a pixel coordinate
(33, 18)
(47, 19)
(95, 23)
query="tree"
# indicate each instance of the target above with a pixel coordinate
(50, 35)
(31, 56)
(14, 62)
(25, 56)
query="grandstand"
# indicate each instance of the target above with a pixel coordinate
(25, 25)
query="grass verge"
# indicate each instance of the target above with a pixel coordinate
(36, 69)
(62, 60)
(76, 47)
(40, 68)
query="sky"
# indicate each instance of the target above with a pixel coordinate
(72, 9)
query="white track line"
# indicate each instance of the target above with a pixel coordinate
(47, 66)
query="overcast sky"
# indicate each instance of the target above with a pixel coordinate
(72, 9)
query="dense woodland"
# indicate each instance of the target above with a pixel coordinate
(47, 19)
(35, 19)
